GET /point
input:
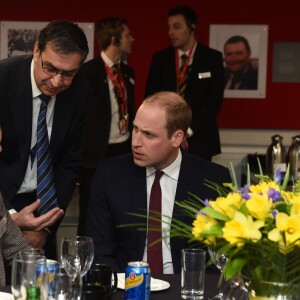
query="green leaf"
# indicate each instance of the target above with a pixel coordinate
(215, 214)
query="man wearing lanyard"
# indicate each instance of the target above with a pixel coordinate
(195, 72)
(111, 103)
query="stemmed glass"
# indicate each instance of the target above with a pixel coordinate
(77, 254)
(219, 260)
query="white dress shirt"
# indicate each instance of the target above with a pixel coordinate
(114, 135)
(30, 180)
(168, 183)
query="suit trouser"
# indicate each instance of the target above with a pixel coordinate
(86, 180)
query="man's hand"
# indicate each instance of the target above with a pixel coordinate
(36, 239)
(26, 220)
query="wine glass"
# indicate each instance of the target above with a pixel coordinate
(29, 273)
(219, 260)
(77, 254)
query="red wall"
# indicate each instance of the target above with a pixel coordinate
(148, 23)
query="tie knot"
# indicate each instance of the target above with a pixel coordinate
(183, 58)
(45, 99)
(115, 68)
(158, 174)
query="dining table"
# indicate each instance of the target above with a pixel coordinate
(173, 291)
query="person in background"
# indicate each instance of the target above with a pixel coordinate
(41, 92)
(123, 186)
(239, 72)
(196, 72)
(110, 104)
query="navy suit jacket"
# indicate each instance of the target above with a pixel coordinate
(16, 125)
(204, 93)
(99, 109)
(119, 188)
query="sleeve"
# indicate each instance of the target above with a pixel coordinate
(12, 239)
(100, 224)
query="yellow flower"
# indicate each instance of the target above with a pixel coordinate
(242, 227)
(203, 223)
(263, 187)
(287, 225)
(259, 206)
(228, 205)
(290, 197)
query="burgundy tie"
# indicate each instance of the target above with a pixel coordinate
(154, 252)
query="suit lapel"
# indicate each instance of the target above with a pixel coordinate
(103, 78)
(21, 107)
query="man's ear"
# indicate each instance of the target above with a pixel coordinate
(177, 138)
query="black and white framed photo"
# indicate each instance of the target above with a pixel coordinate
(18, 38)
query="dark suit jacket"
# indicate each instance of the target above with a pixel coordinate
(204, 95)
(99, 109)
(248, 79)
(11, 240)
(16, 124)
(119, 187)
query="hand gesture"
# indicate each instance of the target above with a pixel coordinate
(26, 219)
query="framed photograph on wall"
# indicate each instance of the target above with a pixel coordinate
(18, 38)
(244, 49)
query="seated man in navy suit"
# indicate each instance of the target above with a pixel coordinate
(122, 185)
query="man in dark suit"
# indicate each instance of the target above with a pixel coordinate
(60, 50)
(122, 185)
(196, 72)
(110, 104)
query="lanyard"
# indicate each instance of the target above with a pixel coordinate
(185, 66)
(119, 85)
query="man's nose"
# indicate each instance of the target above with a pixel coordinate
(56, 80)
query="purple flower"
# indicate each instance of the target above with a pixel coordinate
(245, 196)
(275, 195)
(206, 203)
(278, 175)
(274, 213)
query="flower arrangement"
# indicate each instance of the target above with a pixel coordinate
(257, 227)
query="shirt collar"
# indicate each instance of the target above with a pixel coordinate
(35, 90)
(172, 170)
(107, 60)
(180, 52)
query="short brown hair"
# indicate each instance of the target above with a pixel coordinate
(108, 28)
(178, 112)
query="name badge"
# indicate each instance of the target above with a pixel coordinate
(204, 75)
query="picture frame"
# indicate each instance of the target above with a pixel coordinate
(257, 37)
(17, 38)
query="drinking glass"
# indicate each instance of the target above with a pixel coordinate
(63, 285)
(219, 259)
(29, 272)
(77, 254)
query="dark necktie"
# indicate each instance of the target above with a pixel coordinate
(182, 77)
(46, 190)
(154, 252)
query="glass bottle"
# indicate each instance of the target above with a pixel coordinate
(275, 156)
(33, 293)
(293, 158)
